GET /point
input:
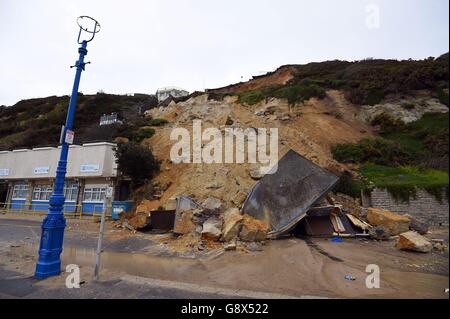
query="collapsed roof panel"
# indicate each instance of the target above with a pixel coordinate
(283, 198)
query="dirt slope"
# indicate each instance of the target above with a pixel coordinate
(279, 77)
(309, 129)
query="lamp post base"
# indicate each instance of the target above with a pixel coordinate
(49, 263)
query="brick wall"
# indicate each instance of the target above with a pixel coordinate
(424, 207)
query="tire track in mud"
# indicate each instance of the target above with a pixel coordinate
(320, 250)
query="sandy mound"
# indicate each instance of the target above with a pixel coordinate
(310, 129)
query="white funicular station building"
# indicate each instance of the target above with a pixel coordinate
(92, 179)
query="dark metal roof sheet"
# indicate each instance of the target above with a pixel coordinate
(284, 195)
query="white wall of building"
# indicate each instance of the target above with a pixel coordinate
(88, 160)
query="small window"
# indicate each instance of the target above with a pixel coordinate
(42, 192)
(94, 194)
(71, 191)
(20, 191)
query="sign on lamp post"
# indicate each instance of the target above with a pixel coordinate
(51, 244)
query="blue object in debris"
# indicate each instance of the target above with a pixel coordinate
(120, 207)
(337, 240)
(350, 277)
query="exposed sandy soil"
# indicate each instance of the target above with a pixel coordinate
(280, 77)
(312, 128)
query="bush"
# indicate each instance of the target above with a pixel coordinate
(347, 153)
(294, 93)
(402, 181)
(144, 133)
(157, 122)
(375, 150)
(350, 186)
(136, 162)
(387, 123)
(442, 96)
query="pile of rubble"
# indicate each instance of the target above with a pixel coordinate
(230, 228)
(405, 229)
(294, 199)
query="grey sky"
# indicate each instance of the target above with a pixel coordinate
(197, 44)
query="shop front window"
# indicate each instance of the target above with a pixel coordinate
(71, 191)
(94, 194)
(20, 191)
(42, 192)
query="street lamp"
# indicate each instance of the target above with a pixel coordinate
(49, 262)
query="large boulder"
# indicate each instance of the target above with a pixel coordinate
(412, 240)
(231, 224)
(394, 224)
(213, 204)
(183, 223)
(212, 229)
(253, 229)
(139, 221)
(417, 225)
(379, 233)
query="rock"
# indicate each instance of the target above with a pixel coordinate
(183, 223)
(417, 225)
(440, 247)
(171, 204)
(231, 224)
(229, 121)
(199, 216)
(348, 203)
(239, 198)
(212, 204)
(214, 186)
(412, 240)
(201, 246)
(379, 233)
(256, 173)
(212, 229)
(139, 221)
(253, 229)
(394, 224)
(254, 246)
(230, 246)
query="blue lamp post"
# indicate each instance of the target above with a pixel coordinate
(49, 262)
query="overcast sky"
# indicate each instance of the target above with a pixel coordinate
(198, 44)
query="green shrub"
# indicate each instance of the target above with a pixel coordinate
(347, 153)
(387, 123)
(143, 134)
(251, 97)
(295, 93)
(157, 122)
(402, 181)
(350, 186)
(442, 96)
(136, 162)
(375, 150)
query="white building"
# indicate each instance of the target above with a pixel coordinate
(92, 179)
(164, 93)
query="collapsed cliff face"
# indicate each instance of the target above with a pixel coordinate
(310, 129)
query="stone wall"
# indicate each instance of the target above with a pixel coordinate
(424, 207)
